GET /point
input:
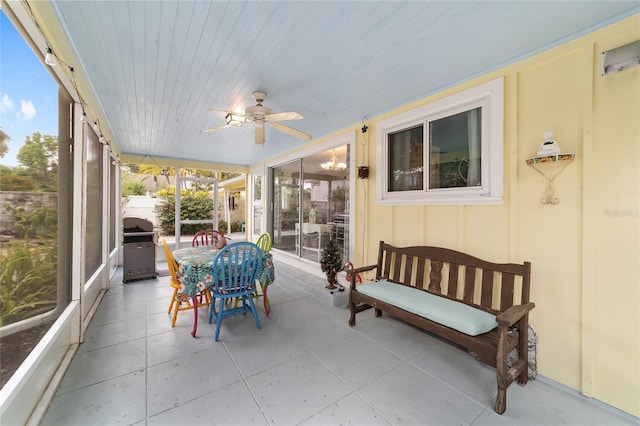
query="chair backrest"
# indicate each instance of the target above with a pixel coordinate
(209, 237)
(236, 267)
(264, 242)
(171, 261)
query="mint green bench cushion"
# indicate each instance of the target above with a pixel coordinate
(456, 315)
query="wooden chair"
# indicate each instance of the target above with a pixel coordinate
(264, 242)
(179, 301)
(235, 269)
(209, 237)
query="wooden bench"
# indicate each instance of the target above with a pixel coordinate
(454, 288)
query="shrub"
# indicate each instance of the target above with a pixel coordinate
(12, 182)
(38, 221)
(130, 187)
(194, 206)
(28, 280)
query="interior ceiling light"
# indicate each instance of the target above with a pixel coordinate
(333, 164)
(50, 58)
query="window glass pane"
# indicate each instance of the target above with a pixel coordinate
(454, 150)
(93, 227)
(406, 161)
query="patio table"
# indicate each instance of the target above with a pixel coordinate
(195, 272)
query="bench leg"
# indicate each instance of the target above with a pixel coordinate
(352, 317)
(352, 309)
(378, 313)
(501, 371)
(523, 350)
(501, 401)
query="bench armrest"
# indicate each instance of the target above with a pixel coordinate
(354, 273)
(363, 269)
(514, 313)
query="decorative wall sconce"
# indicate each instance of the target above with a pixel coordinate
(363, 172)
(550, 162)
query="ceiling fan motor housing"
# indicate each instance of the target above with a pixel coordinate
(257, 112)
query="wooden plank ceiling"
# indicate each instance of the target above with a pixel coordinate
(158, 67)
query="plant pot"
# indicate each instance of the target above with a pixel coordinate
(331, 280)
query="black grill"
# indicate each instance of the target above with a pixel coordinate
(139, 249)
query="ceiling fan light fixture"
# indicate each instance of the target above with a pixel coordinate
(333, 164)
(234, 119)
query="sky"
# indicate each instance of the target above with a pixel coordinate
(28, 93)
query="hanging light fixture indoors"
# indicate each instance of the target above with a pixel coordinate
(333, 164)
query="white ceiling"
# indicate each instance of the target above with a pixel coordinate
(158, 67)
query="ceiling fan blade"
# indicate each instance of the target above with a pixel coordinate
(283, 116)
(290, 131)
(213, 129)
(259, 134)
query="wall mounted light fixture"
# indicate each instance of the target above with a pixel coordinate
(550, 162)
(620, 58)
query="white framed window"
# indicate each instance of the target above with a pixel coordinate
(446, 152)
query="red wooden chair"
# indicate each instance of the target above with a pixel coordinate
(209, 237)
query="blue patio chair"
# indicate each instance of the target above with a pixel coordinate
(235, 269)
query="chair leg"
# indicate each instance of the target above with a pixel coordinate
(265, 299)
(173, 300)
(195, 316)
(176, 308)
(254, 312)
(212, 308)
(219, 319)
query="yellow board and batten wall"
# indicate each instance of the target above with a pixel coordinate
(585, 250)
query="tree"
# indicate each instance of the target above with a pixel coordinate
(39, 159)
(4, 143)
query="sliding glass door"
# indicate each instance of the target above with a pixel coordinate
(286, 205)
(311, 204)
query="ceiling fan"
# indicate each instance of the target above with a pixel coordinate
(261, 115)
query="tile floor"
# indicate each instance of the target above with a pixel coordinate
(304, 367)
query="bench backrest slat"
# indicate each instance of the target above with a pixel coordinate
(453, 280)
(408, 270)
(492, 287)
(435, 277)
(486, 297)
(386, 269)
(506, 291)
(420, 272)
(469, 283)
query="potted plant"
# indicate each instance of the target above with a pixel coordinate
(331, 262)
